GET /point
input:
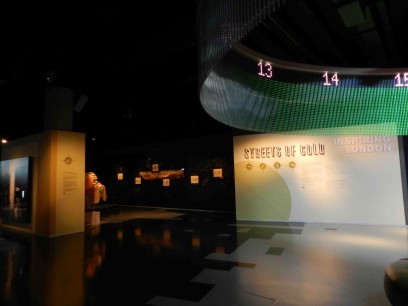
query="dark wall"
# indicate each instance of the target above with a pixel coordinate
(197, 156)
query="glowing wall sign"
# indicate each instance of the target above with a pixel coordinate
(324, 179)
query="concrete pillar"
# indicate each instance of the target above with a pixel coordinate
(58, 112)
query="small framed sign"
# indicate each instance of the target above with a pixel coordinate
(217, 172)
(194, 179)
(155, 168)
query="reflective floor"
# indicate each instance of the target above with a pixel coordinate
(156, 256)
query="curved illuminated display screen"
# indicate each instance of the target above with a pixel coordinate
(253, 92)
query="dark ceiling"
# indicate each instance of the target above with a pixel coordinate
(338, 33)
(138, 67)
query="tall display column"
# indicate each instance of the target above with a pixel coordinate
(61, 184)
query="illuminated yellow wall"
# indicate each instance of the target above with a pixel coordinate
(58, 202)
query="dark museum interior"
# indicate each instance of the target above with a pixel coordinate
(134, 72)
(105, 52)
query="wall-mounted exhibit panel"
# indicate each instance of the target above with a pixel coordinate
(324, 179)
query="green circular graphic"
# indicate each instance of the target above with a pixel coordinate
(261, 194)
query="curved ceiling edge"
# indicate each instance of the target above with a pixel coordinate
(253, 92)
